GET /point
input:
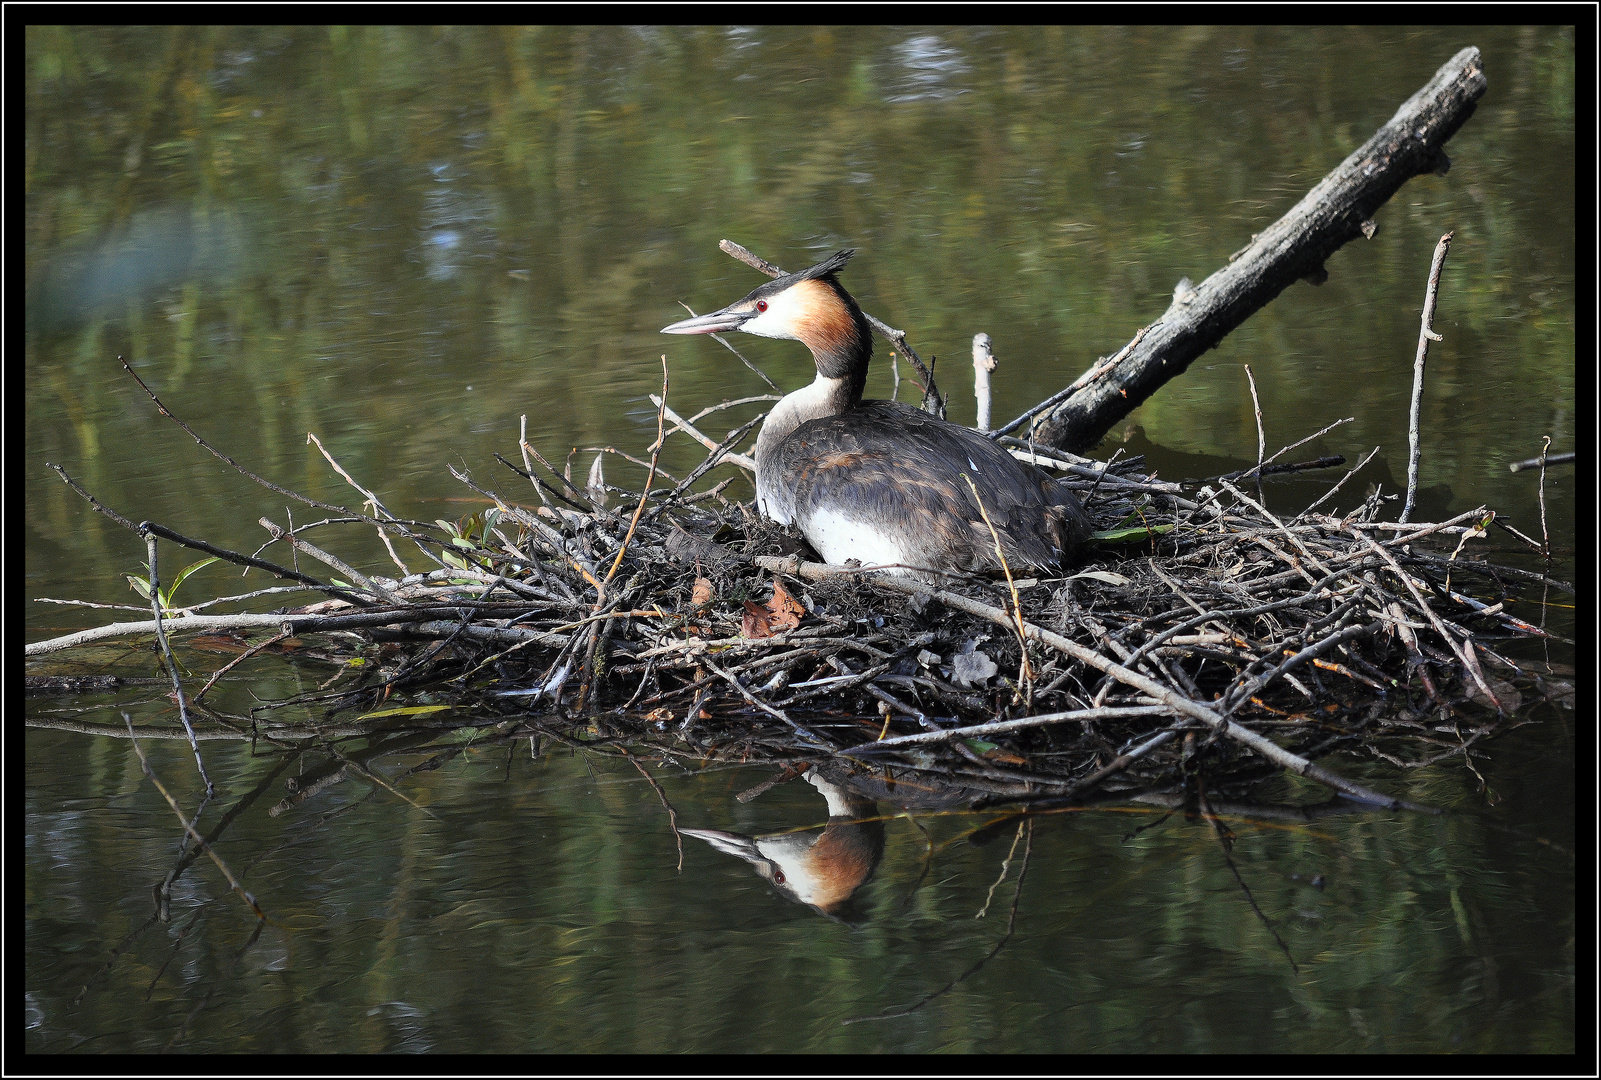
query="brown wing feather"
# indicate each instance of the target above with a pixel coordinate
(903, 469)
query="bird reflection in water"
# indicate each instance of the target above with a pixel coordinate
(821, 868)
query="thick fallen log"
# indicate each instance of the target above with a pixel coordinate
(1338, 210)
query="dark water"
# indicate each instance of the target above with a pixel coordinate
(403, 240)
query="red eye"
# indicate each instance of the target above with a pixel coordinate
(778, 875)
(761, 305)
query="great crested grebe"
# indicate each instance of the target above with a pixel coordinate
(820, 868)
(878, 481)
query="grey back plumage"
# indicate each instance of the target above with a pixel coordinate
(903, 468)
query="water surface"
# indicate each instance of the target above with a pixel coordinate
(404, 240)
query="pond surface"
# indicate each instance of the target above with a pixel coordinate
(405, 240)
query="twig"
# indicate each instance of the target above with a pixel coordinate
(712, 460)
(1566, 458)
(672, 815)
(378, 780)
(1006, 868)
(1261, 436)
(602, 451)
(748, 696)
(172, 668)
(415, 614)
(1095, 371)
(1027, 671)
(1464, 649)
(372, 499)
(1011, 925)
(1002, 727)
(1239, 613)
(1238, 695)
(721, 405)
(1279, 470)
(236, 661)
(1259, 508)
(554, 540)
(1218, 723)
(529, 448)
(93, 502)
(540, 487)
(1091, 470)
(263, 481)
(1426, 334)
(1119, 763)
(983, 363)
(210, 549)
(680, 424)
(649, 478)
(727, 345)
(1084, 499)
(1329, 494)
(850, 680)
(1225, 839)
(1545, 535)
(1532, 544)
(189, 829)
(329, 560)
(933, 403)
(1298, 443)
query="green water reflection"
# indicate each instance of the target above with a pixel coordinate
(404, 239)
(540, 910)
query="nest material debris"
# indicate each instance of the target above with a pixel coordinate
(1205, 630)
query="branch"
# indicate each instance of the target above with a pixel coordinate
(1425, 335)
(1338, 210)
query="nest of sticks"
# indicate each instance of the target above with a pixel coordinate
(1204, 636)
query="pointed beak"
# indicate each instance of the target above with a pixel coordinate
(729, 843)
(716, 322)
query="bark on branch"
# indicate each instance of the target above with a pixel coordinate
(1339, 209)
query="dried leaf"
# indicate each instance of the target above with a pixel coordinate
(703, 593)
(785, 610)
(220, 643)
(755, 623)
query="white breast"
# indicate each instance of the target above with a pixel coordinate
(838, 537)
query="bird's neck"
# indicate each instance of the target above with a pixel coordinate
(837, 333)
(825, 396)
(835, 330)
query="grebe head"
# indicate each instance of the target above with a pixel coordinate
(821, 868)
(810, 307)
